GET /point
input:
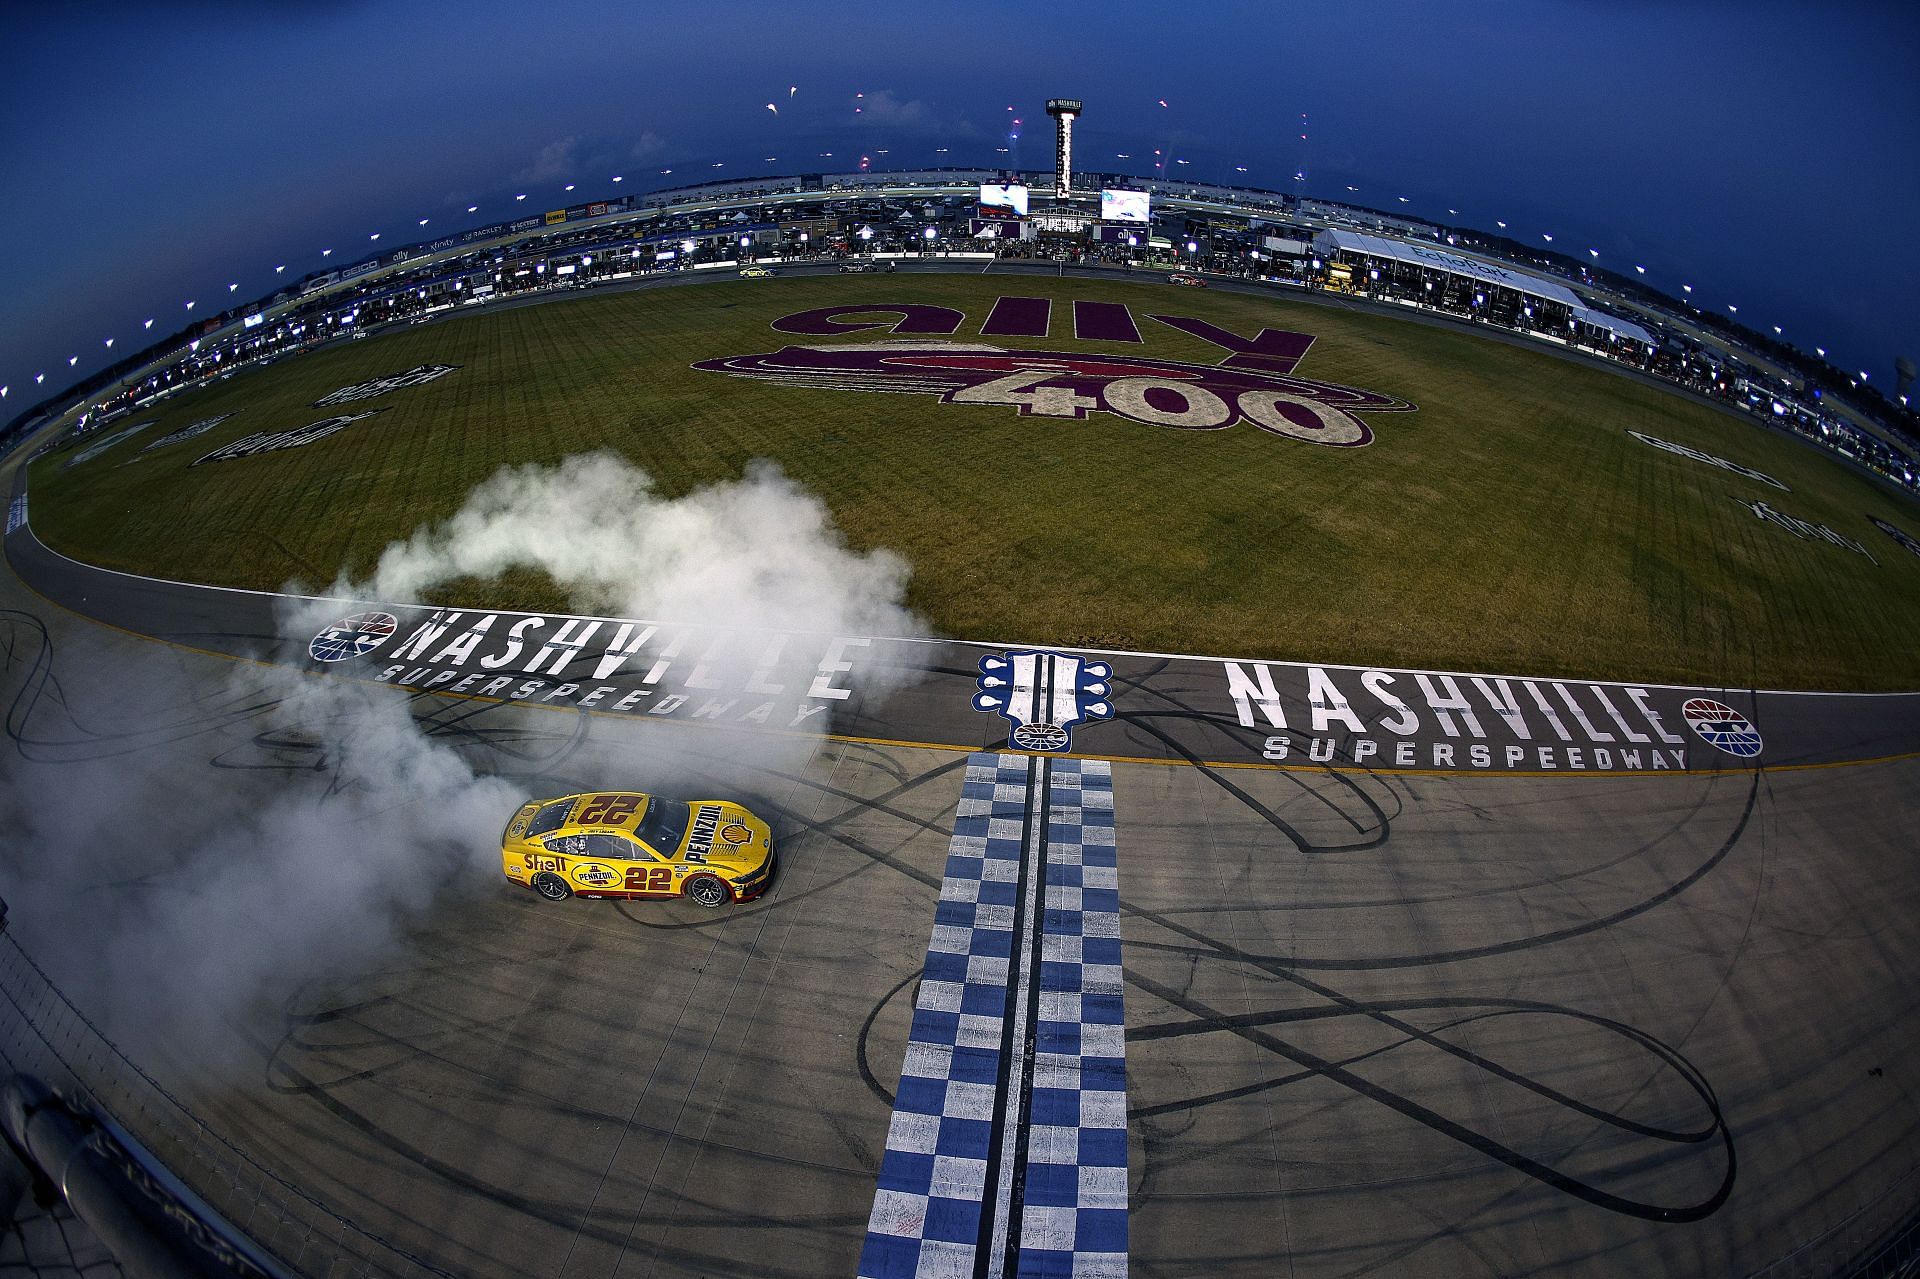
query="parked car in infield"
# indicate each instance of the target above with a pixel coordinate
(756, 273)
(632, 844)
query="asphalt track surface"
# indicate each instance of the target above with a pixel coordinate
(1419, 1022)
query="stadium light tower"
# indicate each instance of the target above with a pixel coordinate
(1064, 112)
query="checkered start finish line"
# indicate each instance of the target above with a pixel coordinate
(1007, 1154)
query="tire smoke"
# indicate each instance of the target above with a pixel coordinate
(304, 834)
(759, 555)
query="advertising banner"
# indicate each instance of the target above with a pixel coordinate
(1061, 223)
(555, 216)
(996, 228)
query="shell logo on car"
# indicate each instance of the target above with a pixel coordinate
(626, 844)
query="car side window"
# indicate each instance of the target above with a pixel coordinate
(585, 846)
(634, 851)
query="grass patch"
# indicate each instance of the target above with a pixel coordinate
(1509, 524)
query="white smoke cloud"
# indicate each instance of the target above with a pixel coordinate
(287, 829)
(180, 899)
(758, 554)
(316, 877)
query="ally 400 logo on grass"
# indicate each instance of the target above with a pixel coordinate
(1253, 384)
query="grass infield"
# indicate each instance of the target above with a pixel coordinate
(1509, 524)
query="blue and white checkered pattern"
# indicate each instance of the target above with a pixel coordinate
(1074, 1222)
(17, 513)
(933, 1191)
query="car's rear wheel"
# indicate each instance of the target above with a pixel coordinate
(707, 891)
(551, 886)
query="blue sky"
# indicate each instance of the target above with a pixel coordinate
(1768, 154)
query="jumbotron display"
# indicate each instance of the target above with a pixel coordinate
(1126, 206)
(1001, 198)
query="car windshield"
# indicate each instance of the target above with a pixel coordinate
(663, 824)
(548, 818)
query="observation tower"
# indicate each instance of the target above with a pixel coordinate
(1064, 112)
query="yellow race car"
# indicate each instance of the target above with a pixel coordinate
(631, 844)
(757, 273)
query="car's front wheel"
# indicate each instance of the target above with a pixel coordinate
(551, 886)
(707, 891)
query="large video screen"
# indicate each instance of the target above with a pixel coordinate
(1124, 206)
(1003, 196)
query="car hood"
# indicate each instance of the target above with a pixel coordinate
(724, 834)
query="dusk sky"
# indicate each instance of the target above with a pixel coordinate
(1768, 154)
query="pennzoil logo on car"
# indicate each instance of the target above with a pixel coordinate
(594, 875)
(706, 820)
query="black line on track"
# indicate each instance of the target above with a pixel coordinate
(990, 1207)
(1017, 1201)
